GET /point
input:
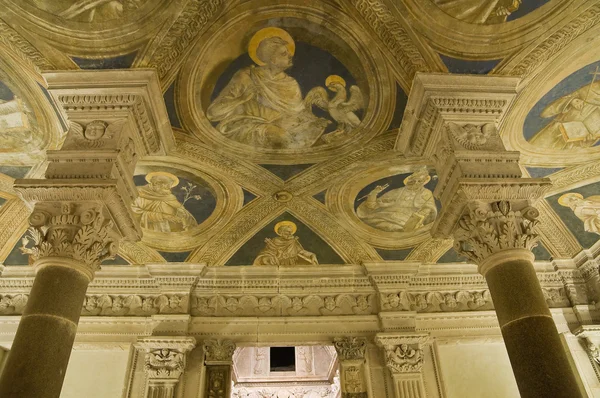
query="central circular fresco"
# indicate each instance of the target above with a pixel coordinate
(284, 88)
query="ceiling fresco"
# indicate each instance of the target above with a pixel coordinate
(285, 116)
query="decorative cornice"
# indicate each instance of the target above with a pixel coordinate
(487, 229)
(218, 352)
(350, 348)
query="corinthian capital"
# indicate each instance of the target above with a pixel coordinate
(219, 352)
(489, 228)
(350, 348)
(78, 232)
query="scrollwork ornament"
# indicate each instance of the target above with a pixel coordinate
(404, 358)
(349, 348)
(165, 363)
(486, 230)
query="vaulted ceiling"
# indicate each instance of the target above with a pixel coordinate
(312, 147)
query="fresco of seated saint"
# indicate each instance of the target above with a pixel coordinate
(587, 210)
(157, 209)
(285, 249)
(575, 120)
(400, 210)
(261, 105)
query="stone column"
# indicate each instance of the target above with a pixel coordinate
(351, 354)
(486, 207)
(81, 210)
(499, 236)
(404, 359)
(164, 363)
(219, 363)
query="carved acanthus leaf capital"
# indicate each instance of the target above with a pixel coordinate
(219, 351)
(403, 353)
(350, 348)
(74, 231)
(166, 357)
(486, 229)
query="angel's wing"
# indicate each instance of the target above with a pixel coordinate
(355, 102)
(317, 96)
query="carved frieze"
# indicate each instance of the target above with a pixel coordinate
(165, 357)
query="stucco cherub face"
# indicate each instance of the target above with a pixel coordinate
(393, 300)
(94, 130)
(330, 303)
(297, 304)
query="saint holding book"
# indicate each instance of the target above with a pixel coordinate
(576, 121)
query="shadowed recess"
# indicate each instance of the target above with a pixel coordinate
(539, 172)
(15, 257)
(285, 172)
(248, 197)
(588, 210)
(120, 62)
(320, 196)
(541, 253)
(56, 110)
(452, 257)
(464, 66)
(169, 98)
(2, 201)
(118, 260)
(391, 255)
(401, 100)
(308, 239)
(175, 257)
(15, 171)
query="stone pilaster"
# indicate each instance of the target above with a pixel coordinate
(404, 359)
(351, 355)
(164, 363)
(219, 362)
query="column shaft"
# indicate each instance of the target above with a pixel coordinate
(538, 359)
(40, 352)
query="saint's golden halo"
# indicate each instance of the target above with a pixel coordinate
(267, 33)
(163, 174)
(563, 199)
(335, 79)
(285, 224)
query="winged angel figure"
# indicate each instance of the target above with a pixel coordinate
(340, 107)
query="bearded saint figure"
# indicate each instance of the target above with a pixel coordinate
(263, 106)
(404, 209)
(157, 209)
(285, 249)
